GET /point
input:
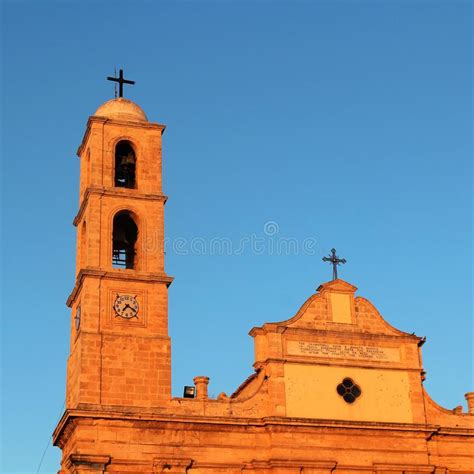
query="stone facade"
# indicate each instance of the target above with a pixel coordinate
(335, 389)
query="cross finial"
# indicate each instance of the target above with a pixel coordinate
(121, 81)
(335, 261)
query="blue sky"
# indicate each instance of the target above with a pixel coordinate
(348, 123)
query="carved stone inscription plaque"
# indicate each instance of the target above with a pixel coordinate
(343, 351)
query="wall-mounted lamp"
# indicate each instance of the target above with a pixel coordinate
(189, 391)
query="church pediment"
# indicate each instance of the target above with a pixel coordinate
(334, 339)
(335, 308)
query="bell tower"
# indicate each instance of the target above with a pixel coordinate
(120, 354)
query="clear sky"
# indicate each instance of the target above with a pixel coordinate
(345, 122)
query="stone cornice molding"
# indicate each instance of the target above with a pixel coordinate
(276, 423)
(116, 192)
(363, 364)
(280, 328)
(125, 275)
(104, 120)
(87, 462)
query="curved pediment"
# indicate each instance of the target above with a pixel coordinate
(336, 336)
(335, 308)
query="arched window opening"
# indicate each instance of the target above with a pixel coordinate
(83, 249)
(125, 234)
(125, 162)
(88, 166)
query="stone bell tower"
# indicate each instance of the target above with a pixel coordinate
(120, 353)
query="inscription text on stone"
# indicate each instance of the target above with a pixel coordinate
(343, 351)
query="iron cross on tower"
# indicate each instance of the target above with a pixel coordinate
(335, 261)
(121, 82)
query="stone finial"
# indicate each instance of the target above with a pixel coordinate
(470, 402)
(201, 383)
(458, 410)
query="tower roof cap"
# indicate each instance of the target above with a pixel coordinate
(122, 109)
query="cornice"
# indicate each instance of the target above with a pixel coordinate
(124, 275)
(269, 328)
(65, 427)
(272, 423)
(305, 360)
(104, 120)
(93, 462)
(115, 192)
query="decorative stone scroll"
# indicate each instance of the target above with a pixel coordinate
(343, 351)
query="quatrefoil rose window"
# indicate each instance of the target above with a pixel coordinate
(348, 390)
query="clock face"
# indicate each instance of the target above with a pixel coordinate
(77, 318)
(126, 306)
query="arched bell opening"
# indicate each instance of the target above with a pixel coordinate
(125, 234)
(125, 165)
(83, 248)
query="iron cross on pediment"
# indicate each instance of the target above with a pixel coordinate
(335, 261)
(121, 82)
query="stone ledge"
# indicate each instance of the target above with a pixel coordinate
(278, 328)
(117, 192)
(105, 120)
(87, 462)
(142, 416)
(125, 275)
